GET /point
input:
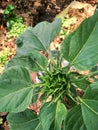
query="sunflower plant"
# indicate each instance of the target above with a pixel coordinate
(67, 79)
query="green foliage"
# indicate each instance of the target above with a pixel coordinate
(1, 120)
(67, 109)
(16, 29)
(79, 50)
(66, 24)
(9, 10)
(14, 23)
(3, 57)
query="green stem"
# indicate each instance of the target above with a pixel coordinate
(59, 96)
(51, 58)
(93, 73)
(72, 98)
(89, 75)
(39, 66)
(37, 85)
(69, 94)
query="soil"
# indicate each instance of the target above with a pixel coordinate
(35, 11)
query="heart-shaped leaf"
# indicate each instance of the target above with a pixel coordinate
(39, 37)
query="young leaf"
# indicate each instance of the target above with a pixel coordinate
(39, 37)
(15, 90)
(80, 48)
(26, 120)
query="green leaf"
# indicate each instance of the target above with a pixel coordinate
(16, 72)
(83, 116)
(46, 31)
(33, 61)
(26, 120)
(79, 81)
(54, 114)
(83, 84)
(80, 48)
(36, 92)
(74, 119)
(92, 92)
(15, 90)
(9, 9)
(59, 116)
(90, 114)
(48, 112)
(39, 37)
(65, 46)
(90, 107)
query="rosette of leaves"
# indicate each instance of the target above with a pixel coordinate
(74, 99)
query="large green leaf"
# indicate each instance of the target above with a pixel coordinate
(15, 90)
(46, 31)
(90, 114)
(39, 37)
(90, 107)
(85, 115)
(52, 114)
(16, 72)
(26, 120)
(33, 61)
(81, 47)
(74, 119)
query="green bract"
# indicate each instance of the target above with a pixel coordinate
(69, 100)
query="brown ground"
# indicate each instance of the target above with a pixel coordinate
(34, 11)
